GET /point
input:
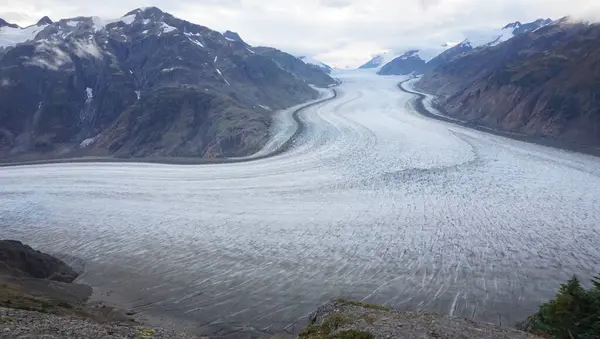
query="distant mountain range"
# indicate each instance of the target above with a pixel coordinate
(146, 84)
(418, 61)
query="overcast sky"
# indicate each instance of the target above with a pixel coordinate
(339, 32)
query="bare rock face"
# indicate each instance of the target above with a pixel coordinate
(545, 83)
(19, 260)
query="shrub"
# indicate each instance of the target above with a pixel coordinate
(574, 313)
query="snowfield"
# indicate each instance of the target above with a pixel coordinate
(374, 203)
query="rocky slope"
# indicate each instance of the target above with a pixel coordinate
(545, 83)
(29, 324)
(485, 39)
(148, 84)
(38, 300)
(19, 260)
(348, 319)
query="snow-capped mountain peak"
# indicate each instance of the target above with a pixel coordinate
(44, 21)
(379, 60)
(147, 12)
(312, 61)
(11, 35)
(512, 25)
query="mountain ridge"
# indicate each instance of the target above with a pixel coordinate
(86, 81)
(411, 62)
(543, 83)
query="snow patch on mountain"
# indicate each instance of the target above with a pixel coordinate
(166, 28)
(488, 38)
(221, 74)
(10, 36)
(98, 23)
(192, 38)
(312, 61)
(88, 142)
(48, 55)
(85, 48)
(196, 42)
(128, 19)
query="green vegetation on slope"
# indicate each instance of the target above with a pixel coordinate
(574, 313)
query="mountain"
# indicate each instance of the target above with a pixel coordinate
(233, 36)
(485, 39)
(19, 260)
(311, 61)
(11, 35)
(378, 60)
(3, 23)
(543, 83)
(519, 28)
(44, 21)
(146, 84)
(424, 59)
(312, 73)
(407, 63)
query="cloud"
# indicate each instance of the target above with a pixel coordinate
(337, 3)
(428, 3)
(339, 32)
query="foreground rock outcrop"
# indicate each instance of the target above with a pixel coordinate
(343, 319)
(39, 300)
(19, 260)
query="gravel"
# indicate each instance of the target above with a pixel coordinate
(27, 324)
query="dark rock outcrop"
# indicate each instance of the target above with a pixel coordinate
(233, 36)
(44, 21)
(545, 83)
(19, 260)
(3, 23)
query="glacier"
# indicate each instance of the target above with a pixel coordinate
(374, 202)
